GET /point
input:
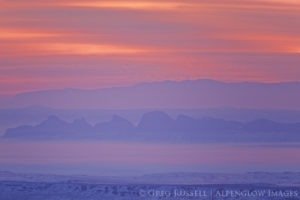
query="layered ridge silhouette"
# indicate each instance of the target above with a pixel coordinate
(169, 94)
(160, 127)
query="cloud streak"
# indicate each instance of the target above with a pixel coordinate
(136, 5)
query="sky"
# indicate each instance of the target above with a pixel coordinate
(97, 43)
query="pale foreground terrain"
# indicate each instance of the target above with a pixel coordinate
(205, 186)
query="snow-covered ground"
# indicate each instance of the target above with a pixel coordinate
(172, 186)
(84, 191)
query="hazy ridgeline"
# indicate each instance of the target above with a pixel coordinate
(221, 127)
(160, 127)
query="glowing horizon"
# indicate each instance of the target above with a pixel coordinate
(97, 44)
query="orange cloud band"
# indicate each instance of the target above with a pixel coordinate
(160, 5)
(71, 49)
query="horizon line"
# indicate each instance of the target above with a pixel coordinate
(11, 95)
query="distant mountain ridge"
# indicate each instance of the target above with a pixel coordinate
(159, 127)
(189, 94)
